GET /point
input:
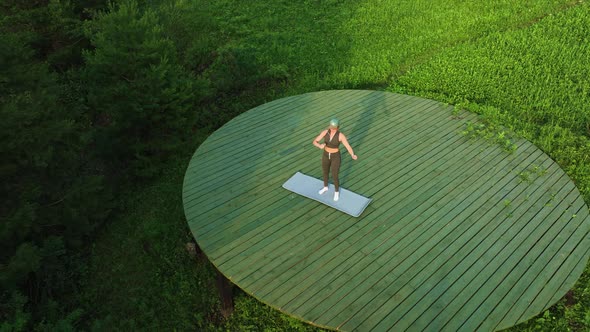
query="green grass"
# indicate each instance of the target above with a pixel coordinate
(338, 44)
(141, 274)
(522, 65)
(532, 80)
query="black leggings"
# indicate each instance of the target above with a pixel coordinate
(331, 161)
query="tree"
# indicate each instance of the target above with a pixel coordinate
(51, 200)
(140, 99)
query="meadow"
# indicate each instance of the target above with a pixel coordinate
(524, 66)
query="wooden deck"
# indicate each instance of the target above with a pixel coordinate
(460, 235)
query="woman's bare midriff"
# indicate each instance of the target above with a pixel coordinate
(331, 150)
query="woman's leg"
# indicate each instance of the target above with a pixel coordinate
(325, 171)
(335, 167)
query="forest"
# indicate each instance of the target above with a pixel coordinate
(104, 102)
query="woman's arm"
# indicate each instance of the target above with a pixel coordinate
(316, 141)
(347, 146)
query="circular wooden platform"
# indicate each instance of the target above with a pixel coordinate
(461, 235)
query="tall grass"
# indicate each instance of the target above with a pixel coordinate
(347, 44)
(523, 65)
(534, 80)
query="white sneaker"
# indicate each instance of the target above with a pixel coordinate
(323, 190)
(336, 196)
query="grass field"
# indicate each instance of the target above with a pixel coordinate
(522, 65)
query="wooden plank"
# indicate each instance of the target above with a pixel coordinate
(356, 288)
(347, 240)
(320, 261)
(305, 142)
(480, 225)
(459, 293)
(252, 151)
(402, 271)
(270, 182)
(245, 171)
(291, 119)
(570, 268)
(281, 241)
(336, 270)
(415, 258)
(491, 292)
(226, 155)
(288, 118)
(544, 254)
(264, 160)
(264, 199)
(258, 277)
(560, 276)
(457, 240)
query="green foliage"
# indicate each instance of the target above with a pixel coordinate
(25, 260)
(252, 315)
(192, 29)
(532, 172)
(325, 45)
(147, 280)
(93, 103)
(139, 96)
(490, 133)
(16, 317)
(53, 28)
(51, 201)
(42, 143)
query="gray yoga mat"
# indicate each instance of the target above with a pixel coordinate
(349, 202)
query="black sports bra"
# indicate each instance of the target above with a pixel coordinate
(335, 142)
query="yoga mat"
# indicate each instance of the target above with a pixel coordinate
(349, 202)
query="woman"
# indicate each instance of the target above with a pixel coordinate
(331, 157)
